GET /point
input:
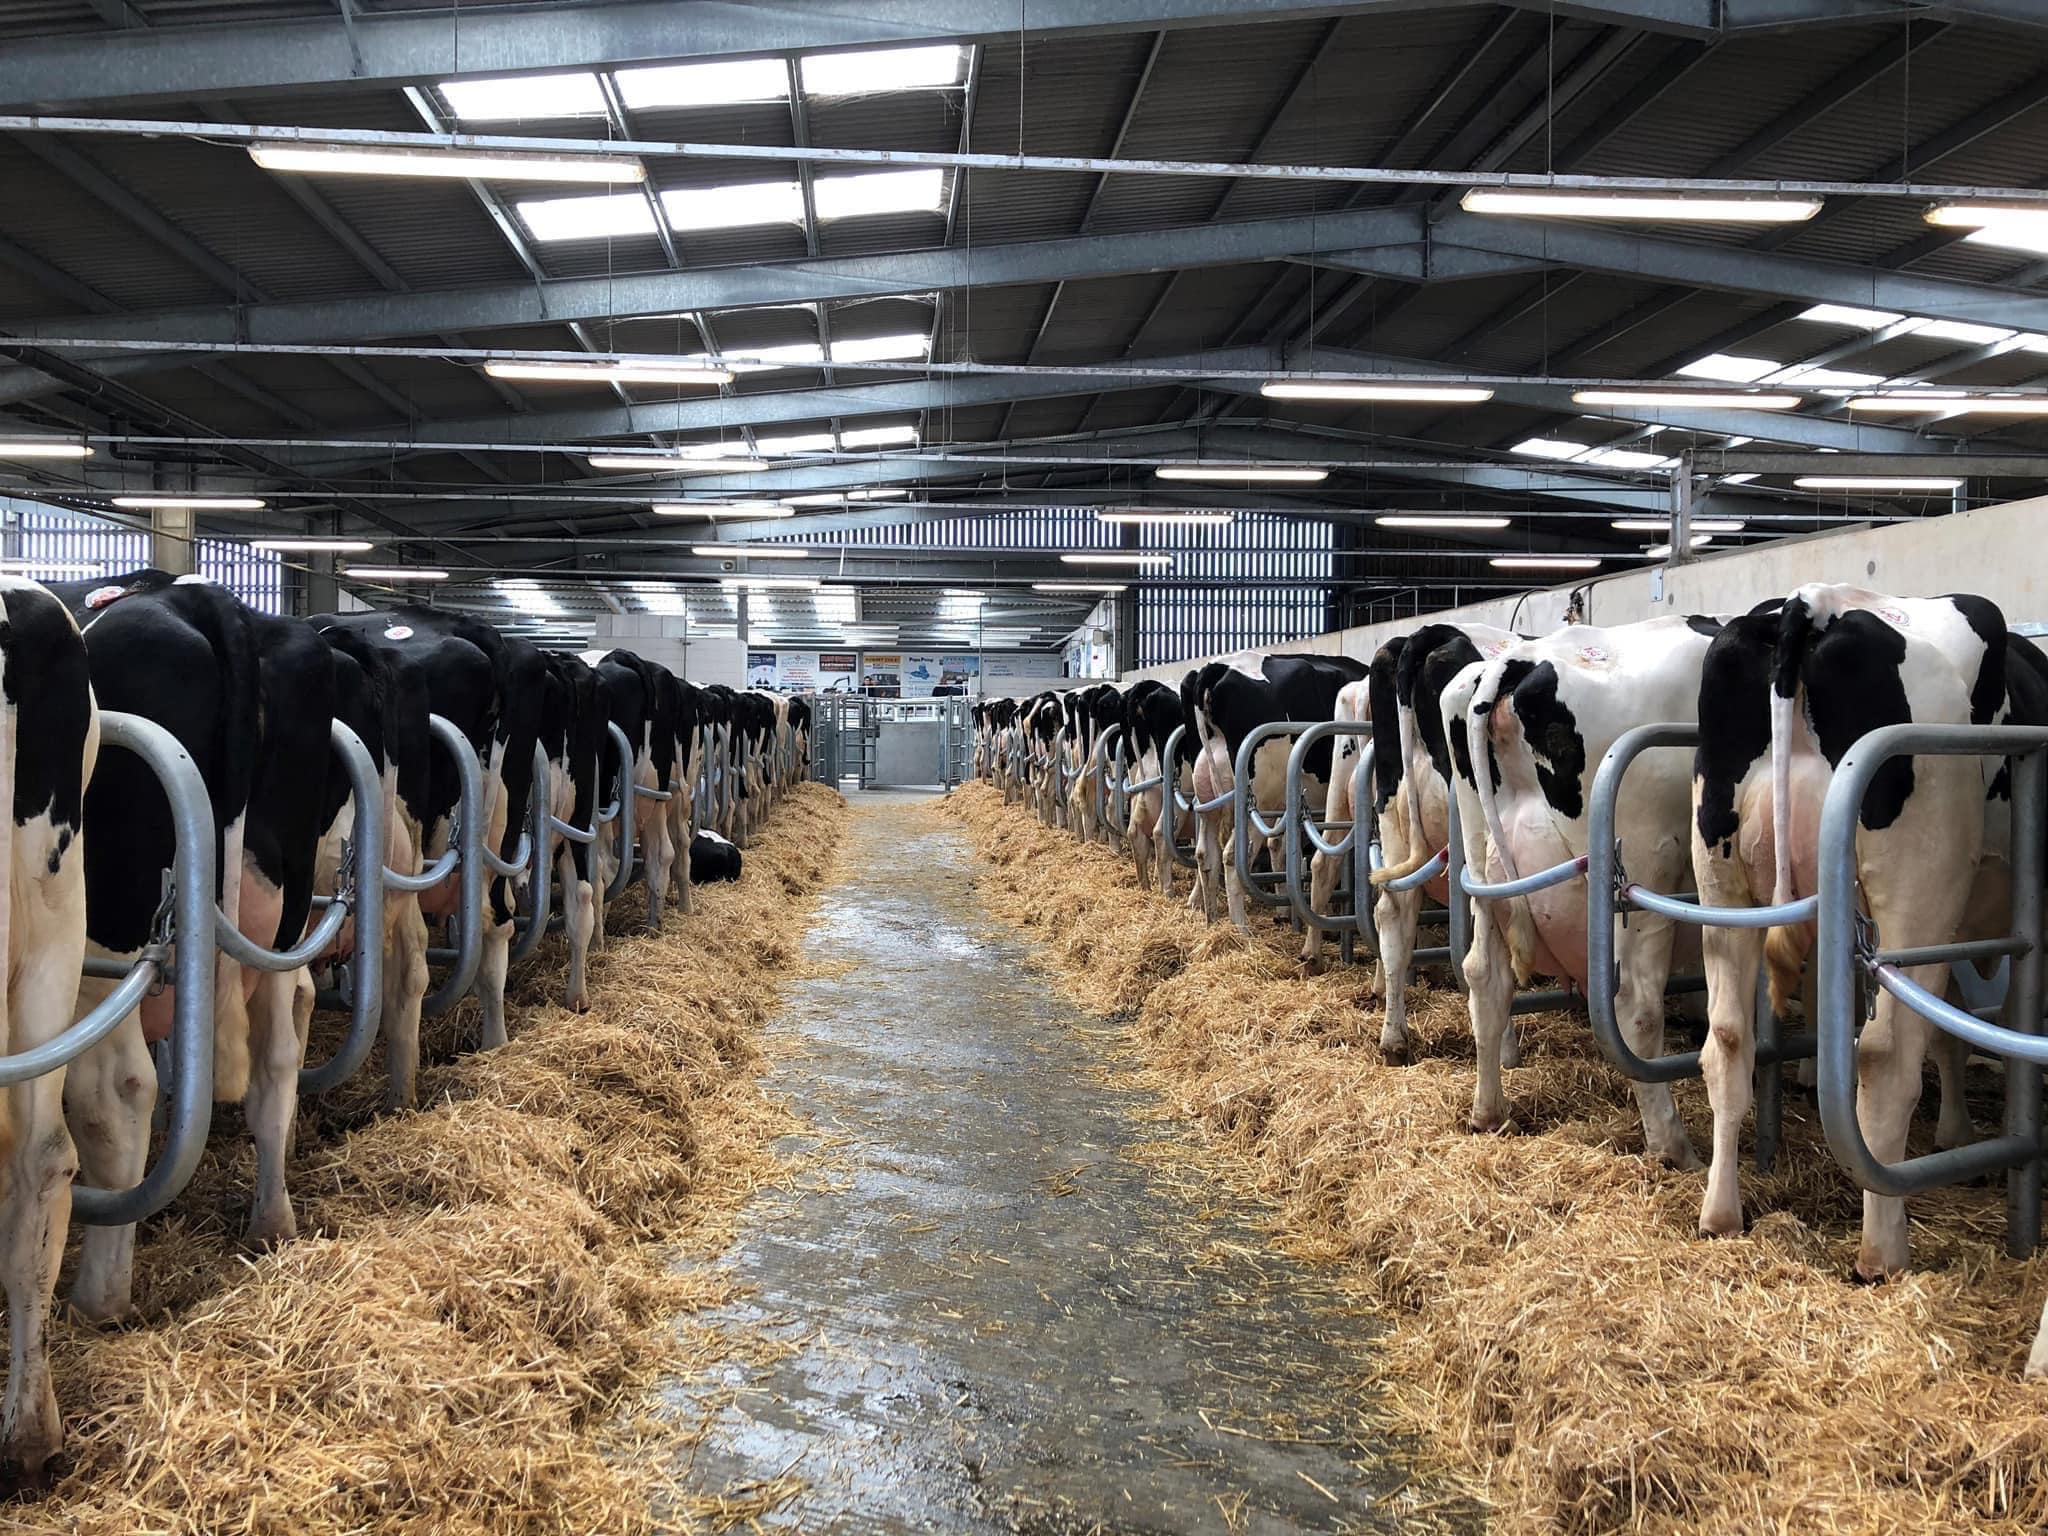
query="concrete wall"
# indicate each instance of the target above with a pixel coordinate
(1996, 552)
(660, 639)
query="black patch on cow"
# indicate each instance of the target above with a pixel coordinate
(1703, 624)
(1987, 692)
(1290, 688)
(1851, 672)
(1553, 736)
(1384, 710)
(48, 684)
(1735, 721)
(1453, 653)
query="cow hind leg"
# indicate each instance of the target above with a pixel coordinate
(1639, 1009)
(490, 981)
(1489, 993)
(2037, 1357)
(278, 1016)
(579, 917)
(1888, 1062)
(1953, 1129)
(1728, 1064)
(109, 1094)
(405, 988)
(1394, 924)
(660, 856)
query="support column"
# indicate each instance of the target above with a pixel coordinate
(1681, 511)
(170, 540)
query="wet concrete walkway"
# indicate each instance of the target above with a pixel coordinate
(1001, 1322)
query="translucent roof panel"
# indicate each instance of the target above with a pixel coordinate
(523, 96)
(870, 192)
(587, 218)
(705, 85)
(884, 69)
(734, 205)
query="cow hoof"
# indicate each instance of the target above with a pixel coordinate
(1394, 1054)
(28, 1473)
(1686, 1161)
(1487, 1124)
(106, 1319)
(578, 1005)
(264, 1236)
(1721, 1226)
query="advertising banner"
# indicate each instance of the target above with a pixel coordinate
(838, 671)
(882, 674)
(760, 669)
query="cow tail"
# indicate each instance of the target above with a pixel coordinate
(1785, 946)
(1479, 748)
(9, 725)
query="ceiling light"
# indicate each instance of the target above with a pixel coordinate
(587, 218)
(799, 583)
(1545, 562)
(1977, 215)
(1663, 525)
(1075, 586)
(2013, 235)
(883, 69)
(192, 503)
(50, 569)
(605, 373)
(1153, 562)
(1626, 458)
(717, 509)
(799, 442)
(1548, 448)
(462, 164)
(395, 573)
(1663, 551)
(1278, 474)
(531, 97)
(1685, 399)
(313, 546)
(42, 448)
(834, 498)
(1876, 483)
(1166, 517)
(1637, 205)
(758, 551)
(1908, 401)
(696, 456)
(1439, 394)
(1404, 520)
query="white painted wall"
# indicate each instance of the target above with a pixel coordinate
(1996, 552)
(661, 639)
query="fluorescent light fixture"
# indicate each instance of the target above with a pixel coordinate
(1663, 551)
(191, 503)
(1679, 399)
(605, 373)
(1743, 479)
(795, 354)
(724, 84)
(1849, 315)
(50, 569)
(1275, 473)
(716, 509)
(460, 164)
(1404, 520)
(587, 218)
(1637, 205)
(1166, 517)
(1909, 401)
(904, 345)
(1545, 562)
(695, 456)
(734, 205)
(1075, 586)
(1149, 562)
(872, 192)
(879, 437)
(42, 448)
(757, 551)
(1435, 394)
(801, 442)
(1707, 525)
(1877, 483)
(1977, 215)
(395, 573)
(530, 97)
(883, 69)
(313, 546)
(796, 583)
(834, 498)
(1729, 368)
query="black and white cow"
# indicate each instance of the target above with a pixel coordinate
(573, 738)
(1042, 720)
(684, 711)
(49, 741)
(640, 703)
(1538, 718)
(1223, 703)
(1090, 714)
(251, 698)
(1787, 689)
(713, 859)
(1151, 715)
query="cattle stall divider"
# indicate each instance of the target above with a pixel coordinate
(1302, 832)
(464, 858)
(1610, 893)
(359, 892)
(1368, 860)
(1106, 764)
(1847, 951)
(1262, 886)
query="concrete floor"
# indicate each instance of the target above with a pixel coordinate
(1003, 1323)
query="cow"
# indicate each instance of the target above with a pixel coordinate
(712, 858)
(800, 735)
(251, 699)
(1090, 714)
(1786, 690)
(1222, 703)
(1041, 725)
(49, 744)
(575, 744)
(1537, 719)
(1151, 715)
(716, 705)
(684, 713)
(640, 703)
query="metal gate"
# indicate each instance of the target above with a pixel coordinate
(872, 743)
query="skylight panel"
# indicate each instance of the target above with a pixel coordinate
(1729, 368)
(735, 205)
(1548, 448)
(883, 349)
(884, 69)
(1850, 315)
(1819, 377)
(705, 85)
(2013, 235)
(1957, 330)
(587, 218)
(524, 96)
(878, 437)
(872, 192)
(796, 354)
(802, 442)
(1626, 458)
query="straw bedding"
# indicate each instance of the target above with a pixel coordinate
(459, 1339)
(1561, 1340)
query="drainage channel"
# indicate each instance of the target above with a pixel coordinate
(999, 1321)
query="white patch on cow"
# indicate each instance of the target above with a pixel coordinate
(194, 579)
(398, 632)
(100, 597)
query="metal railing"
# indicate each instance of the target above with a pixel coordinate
(1303, 834)
(1262, 886)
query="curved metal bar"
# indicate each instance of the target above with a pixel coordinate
(522, 856)
(622, 812)
(1680, 910)
(194, 887)
(1294, 822)
(1172, 810)
(467, 849)
(1365, 848)
(1245, 816)
(243, 950)
(1415, 879)
(651, 794)
(90, 1029)
(540, 889)
(427, 878)
(1526, 885)
(366, 966)
(1993, 1039)
(2018, 1151)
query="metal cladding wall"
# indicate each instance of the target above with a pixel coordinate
(71, 538)
(1237, 605)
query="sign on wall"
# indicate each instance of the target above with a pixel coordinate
(881, 673)
(760, 669)
(837, 671)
